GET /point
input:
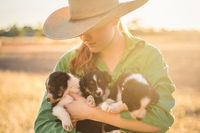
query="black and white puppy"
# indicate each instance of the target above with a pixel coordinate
(131, 92)
(94, 87)
(58, 85)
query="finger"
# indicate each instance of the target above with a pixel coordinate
(74, 120)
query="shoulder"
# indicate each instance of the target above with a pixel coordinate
(145, 48)
(64, 61)
(152, 51)
(67, 56)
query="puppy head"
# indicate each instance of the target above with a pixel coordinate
(95, 83)
(137, 94)
(56, 84)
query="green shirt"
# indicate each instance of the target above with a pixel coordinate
(138, 57)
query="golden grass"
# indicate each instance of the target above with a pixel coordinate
(186, 111)
(21, 95)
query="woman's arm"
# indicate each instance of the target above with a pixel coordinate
(116, 120)
(80, 110)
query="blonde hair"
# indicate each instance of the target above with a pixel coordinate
(84, 59)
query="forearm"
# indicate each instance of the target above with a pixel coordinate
(115, 120)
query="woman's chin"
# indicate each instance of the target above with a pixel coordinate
(94, 50)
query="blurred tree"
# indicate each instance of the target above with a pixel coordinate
(39, 31)
(2, 32)
(28, 31)
(13, 31)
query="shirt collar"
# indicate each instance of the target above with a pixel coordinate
(131, 43)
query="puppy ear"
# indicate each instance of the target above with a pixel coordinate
(67, 76)
(82, 83)
(154, 96)
(121, 79)
(107, 77)
(61, 91)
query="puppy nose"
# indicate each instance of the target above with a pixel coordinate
(48, 99)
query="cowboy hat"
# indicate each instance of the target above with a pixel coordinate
(81, 15)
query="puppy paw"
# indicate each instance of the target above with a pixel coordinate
(67, 126)
(90, 101)
(105, 107)
(112, 108)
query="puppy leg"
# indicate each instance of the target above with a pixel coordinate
(105, 105)
(64, 116)
(116, 107)
(90, 101)
(109, 101)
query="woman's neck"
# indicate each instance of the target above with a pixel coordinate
(116, 46)
(112, 54)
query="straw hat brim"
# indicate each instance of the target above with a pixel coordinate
(59, 26)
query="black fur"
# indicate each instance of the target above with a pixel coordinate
(132, 93)
(56, 84)
(88, 83)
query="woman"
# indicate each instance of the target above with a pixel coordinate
(108, 46)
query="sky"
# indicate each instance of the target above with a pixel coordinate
(168, 14)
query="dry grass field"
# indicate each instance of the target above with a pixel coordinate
(20, 98)
(25, 63)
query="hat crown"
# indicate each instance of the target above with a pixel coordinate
(81, 9)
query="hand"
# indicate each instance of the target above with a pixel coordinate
(78, 109)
